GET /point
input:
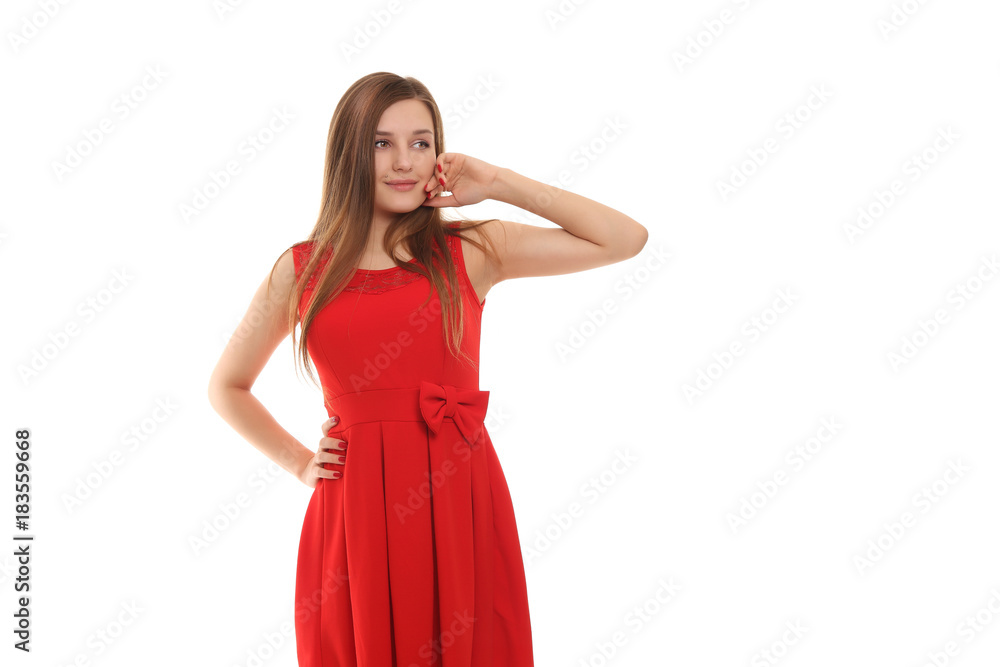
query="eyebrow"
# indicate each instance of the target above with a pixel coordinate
(390, 134)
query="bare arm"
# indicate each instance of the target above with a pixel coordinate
(260, 332)
(592, 234)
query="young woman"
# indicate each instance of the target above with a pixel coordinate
(409, 553)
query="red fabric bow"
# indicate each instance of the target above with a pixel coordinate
(466, 406)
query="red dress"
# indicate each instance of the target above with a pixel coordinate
(412, 557)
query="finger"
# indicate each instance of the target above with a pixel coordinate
(442, 200)
(431, 183)
(437, 184)
(331, 458)
(436, 172)
(332, 443)
(329, 423)
(432, 195)
(332, 454)
(328, 471)
(329, 474)
(441, 186)
(442, 160)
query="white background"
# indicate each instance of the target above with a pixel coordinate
(602, 95)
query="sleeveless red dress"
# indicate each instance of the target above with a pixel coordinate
(412, 557)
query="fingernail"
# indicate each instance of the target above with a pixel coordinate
(441, 179)
(440, 169)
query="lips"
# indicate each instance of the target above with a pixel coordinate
(402, 184)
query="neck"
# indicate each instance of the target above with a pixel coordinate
(374, 249)
(376, 236)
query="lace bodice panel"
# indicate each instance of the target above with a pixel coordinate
(367, 281)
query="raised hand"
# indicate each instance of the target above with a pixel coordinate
(468, 179)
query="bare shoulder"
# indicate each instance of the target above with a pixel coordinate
(275, 289)
(479, 266)
(263, 327)
(284, 270)
(524, 251)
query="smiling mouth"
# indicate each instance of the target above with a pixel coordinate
(402, 187)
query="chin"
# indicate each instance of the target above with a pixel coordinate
(401, 208)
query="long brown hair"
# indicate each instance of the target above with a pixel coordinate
(347, 208)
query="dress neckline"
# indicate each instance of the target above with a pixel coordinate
(391, 268)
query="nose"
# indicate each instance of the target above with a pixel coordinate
(401, 161)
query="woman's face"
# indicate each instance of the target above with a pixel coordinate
(404, 151)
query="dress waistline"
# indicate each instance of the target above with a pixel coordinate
(431, 403)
